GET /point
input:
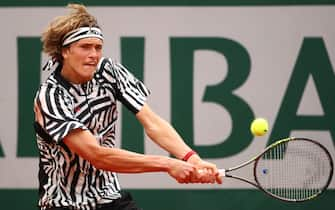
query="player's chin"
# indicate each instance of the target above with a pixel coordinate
(88, 73)
(89, 68)
(87, 78)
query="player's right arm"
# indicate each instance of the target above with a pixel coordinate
(83, 143)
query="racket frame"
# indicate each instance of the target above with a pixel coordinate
(224, 172)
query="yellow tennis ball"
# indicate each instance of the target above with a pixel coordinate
(259, 126)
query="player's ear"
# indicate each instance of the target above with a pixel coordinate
(65, 52)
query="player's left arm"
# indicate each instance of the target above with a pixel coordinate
(163, 134)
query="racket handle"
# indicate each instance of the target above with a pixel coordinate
(222, 172)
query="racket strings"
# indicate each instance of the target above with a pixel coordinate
(294, 170)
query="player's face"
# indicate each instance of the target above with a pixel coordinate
(81, 59)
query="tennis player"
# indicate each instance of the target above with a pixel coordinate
(75, 121)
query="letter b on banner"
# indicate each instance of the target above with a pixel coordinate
(182, 62)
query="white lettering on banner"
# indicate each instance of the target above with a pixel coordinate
(271, 35)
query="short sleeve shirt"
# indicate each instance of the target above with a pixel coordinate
(65, 178)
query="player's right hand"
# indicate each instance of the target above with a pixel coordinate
(181, 171)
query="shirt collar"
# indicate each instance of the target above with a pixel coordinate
(78, 89)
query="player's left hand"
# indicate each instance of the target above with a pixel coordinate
(206, 172)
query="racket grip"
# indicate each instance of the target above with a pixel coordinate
(222, 172)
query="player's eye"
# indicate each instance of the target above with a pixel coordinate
(98, 47)
(85, 46)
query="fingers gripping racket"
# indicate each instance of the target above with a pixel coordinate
(292, 169)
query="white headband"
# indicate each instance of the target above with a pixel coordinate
(82, 32)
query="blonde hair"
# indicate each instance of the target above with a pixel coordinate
(53, 35)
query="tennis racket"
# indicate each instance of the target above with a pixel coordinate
(292, 169)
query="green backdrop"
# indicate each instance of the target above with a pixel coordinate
(26, 199)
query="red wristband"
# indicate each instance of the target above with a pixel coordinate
(188, 155)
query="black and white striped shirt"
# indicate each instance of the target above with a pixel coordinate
(65, 178)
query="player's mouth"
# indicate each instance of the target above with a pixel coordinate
(93, 64)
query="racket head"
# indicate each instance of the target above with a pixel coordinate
(294, 169)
